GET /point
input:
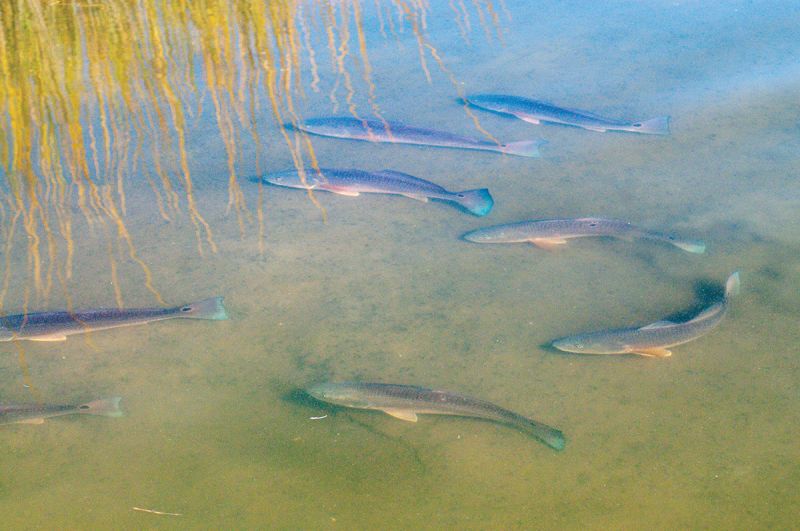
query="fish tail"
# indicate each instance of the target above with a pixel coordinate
(211, 309)
(691, 246)
(524, 148)
(654, 126)
(732, 286)
(479, 202)
(550, 436)
(108, 407)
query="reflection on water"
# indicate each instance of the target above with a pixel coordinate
(130, 132)
(95, 93)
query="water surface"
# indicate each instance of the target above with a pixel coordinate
(381, 288)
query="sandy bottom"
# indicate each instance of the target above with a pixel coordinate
(386, 291)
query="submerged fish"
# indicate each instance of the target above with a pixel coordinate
(397, 133)
(56, 326)
(354, 182)
(535, 112)
(36, 413)
(652, 340)
(406, 401)
(550, 233)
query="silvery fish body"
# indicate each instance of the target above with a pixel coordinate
(56, 326)
(398, 133)
(352, 182)
(36, 413)
(406, 401)
(535, 112)
(652, 340)
(550, 233)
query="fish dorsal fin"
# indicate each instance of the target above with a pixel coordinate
(708, 312)
(406, 178)
(38, 420)
(397, 175)
(548, 243)
(658, 324)
(653, 352)
(51, 337)
(402, 414)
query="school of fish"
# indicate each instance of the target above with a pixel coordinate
(404, 401)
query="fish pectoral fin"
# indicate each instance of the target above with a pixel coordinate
(342, 191)
(417, 197)
(534, 121)
(598, 129)
(402, 414)
(654, 352)
(31, 421)
(51, 337)
(548, 243)
(659, 324)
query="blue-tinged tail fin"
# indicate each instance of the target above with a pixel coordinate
(108, 407)
(690, 246)
(479, 202)
(654, 126)
(211, 309)
(732, 286)
(524, 148)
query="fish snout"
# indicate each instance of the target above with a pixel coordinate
(568, 344)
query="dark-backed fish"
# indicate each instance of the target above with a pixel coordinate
(535, 112)
(405, 402)
(550, 233)
(353, 182)
(36, 413)
(398, 133)
(56, 326)
(654, 339)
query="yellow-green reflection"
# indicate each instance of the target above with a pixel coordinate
(90, 90)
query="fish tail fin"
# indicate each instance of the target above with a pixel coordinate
(107, 407)
(732, 286)
(524, 148)
(550, 436)
(211, 309)
(690, 246)
(654, 126)
(479, 202)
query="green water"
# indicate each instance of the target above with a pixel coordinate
(386, 291)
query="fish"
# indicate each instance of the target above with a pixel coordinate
(551, 233)
(398, 133)
(36, 413)
(536, 112)
(654, 339)
(56, 326)
(352, 182)
(405, 402)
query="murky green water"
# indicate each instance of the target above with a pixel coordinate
(386, 291)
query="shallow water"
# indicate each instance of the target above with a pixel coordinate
(385, 290)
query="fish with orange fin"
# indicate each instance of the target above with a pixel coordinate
(553, 233)
(653, 340)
